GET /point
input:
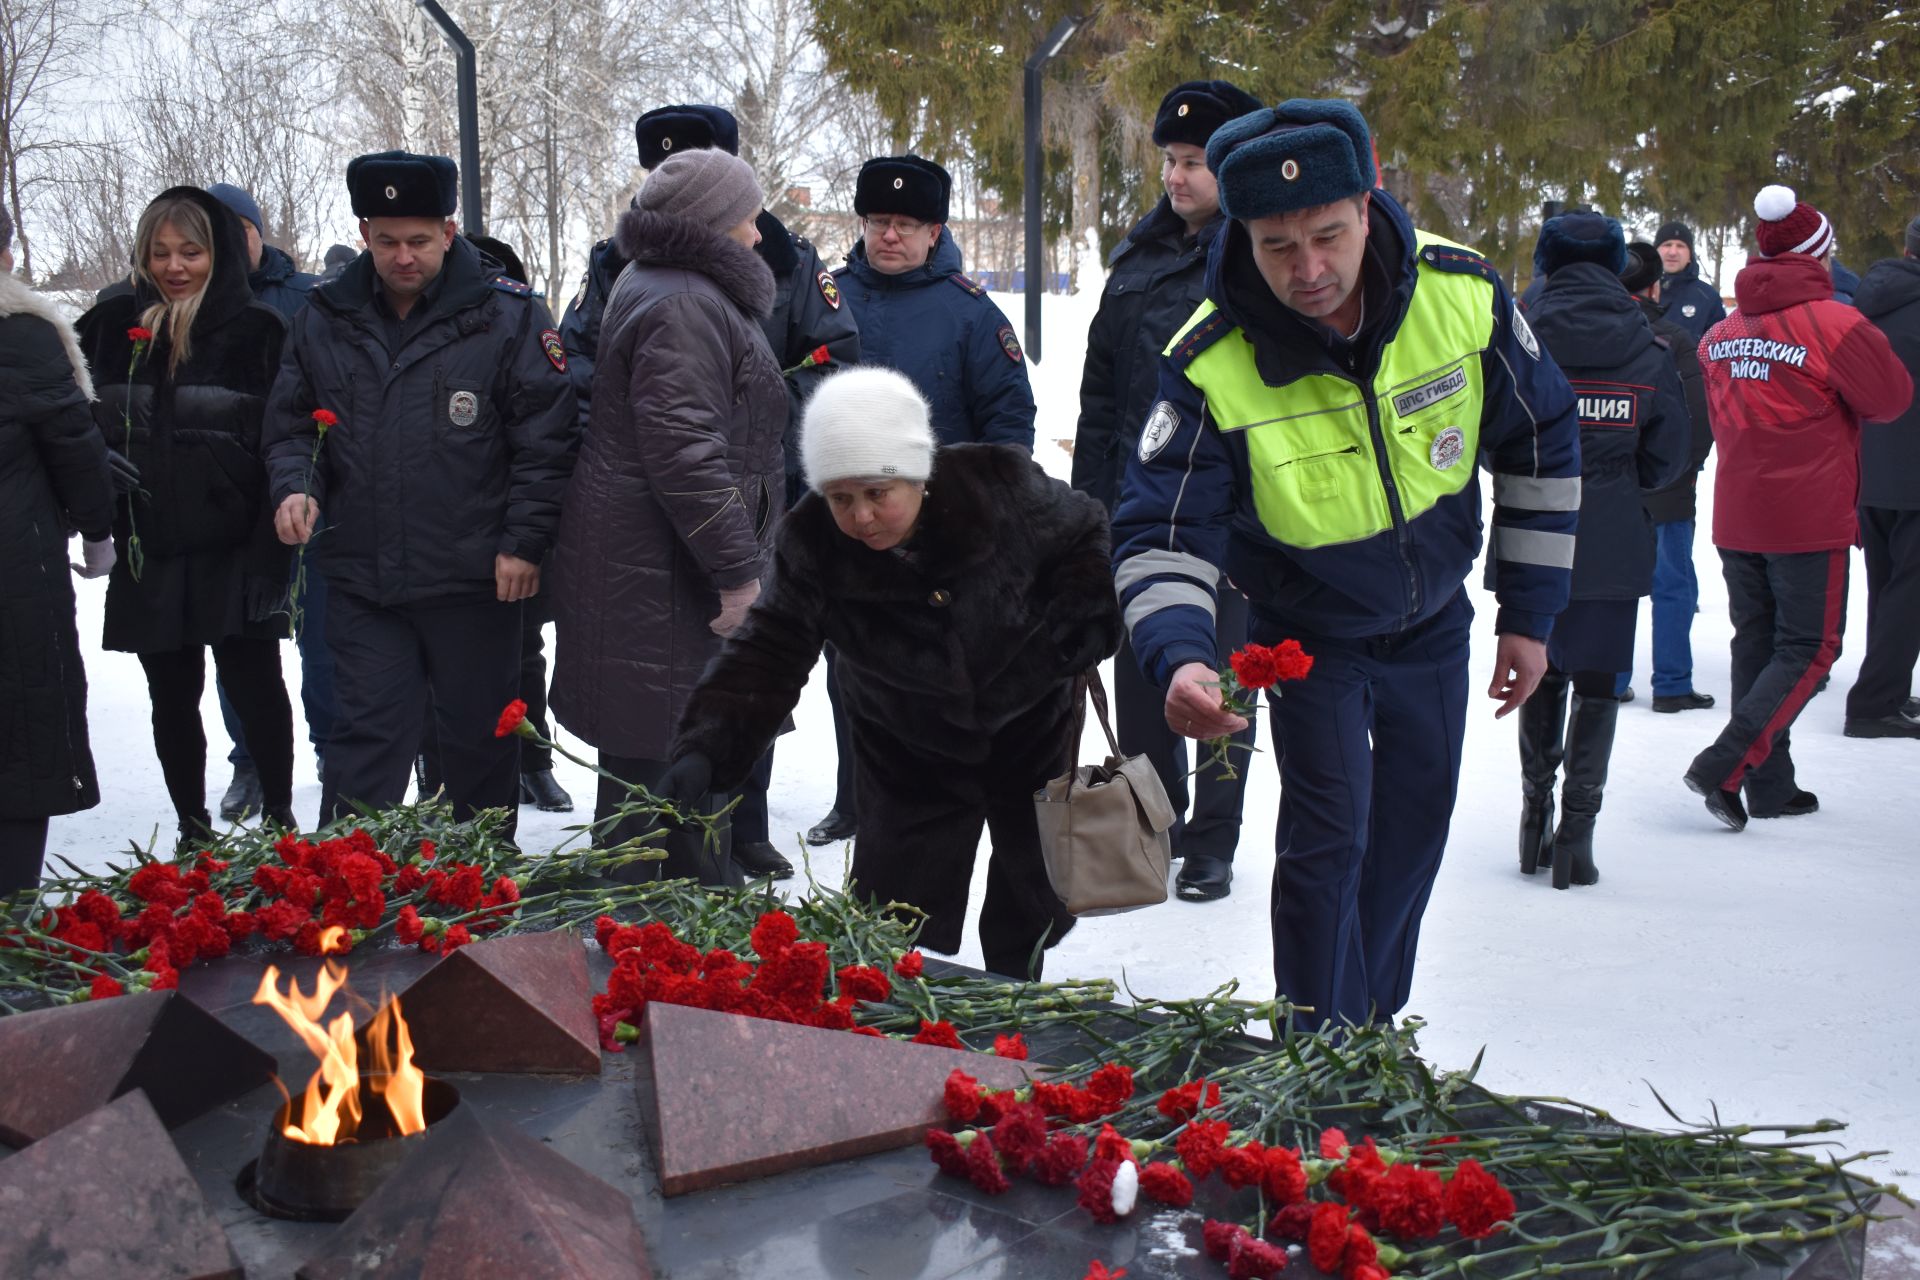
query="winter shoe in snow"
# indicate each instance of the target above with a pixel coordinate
(1897, 725)
(1724, 805)
(1590, 729)
(539, 788)
(1798, 805)
(1668, 704)
(1203, 879)
(196, 833)
(757, 858)
(1543, 723)
(242, 799)
(833, 827)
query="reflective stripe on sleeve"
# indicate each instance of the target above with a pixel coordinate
(1530, 546)
(1151, 564)
(1167, 595)
(1537, 493)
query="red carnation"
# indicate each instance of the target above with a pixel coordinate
(1254, 667)
(407, 928)
(908, 966)
(1202, 1145)
(455, 936)
(1333, 1144)
(1097, 1270)
(1292, 662)
(1182, 1102)
(511, 718)
(140, 333)
(1282, 1177)
(1368, 1271)
(104, 988)
(819, 355)
(1475, 1202)
(1217, 1237)
(940, 1033)
(983, 1166)
(602, 929)
(159, 883)
(1057, 1165)
(947, 1153)
(1292, 1222)
(1013, 1046)
(1407, 1202)
(1357, 1178)
(863, 982)
(1110, 1145)
(1111, 1086)
(1361, 1250)
(1163, 1182)
(1020, 1135)
(1327, 1236)
(1096, 1189)
(773, 933)
(1251, 1259)
(324, 418)
(1243, 1166)
(962, 1097)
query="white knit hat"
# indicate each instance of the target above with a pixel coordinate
(866, 423)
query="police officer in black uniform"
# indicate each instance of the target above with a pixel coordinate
(808, 316)
(431, 501)
(1155, 279)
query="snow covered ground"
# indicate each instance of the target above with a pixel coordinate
(1770, 975)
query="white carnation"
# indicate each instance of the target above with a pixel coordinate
(1126, 1188)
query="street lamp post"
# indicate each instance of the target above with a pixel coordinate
(1036, 66)
(468, 91)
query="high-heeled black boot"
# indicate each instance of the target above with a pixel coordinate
(1543, 722)
(1589, 748)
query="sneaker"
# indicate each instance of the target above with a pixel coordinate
(1724, 805)
(243, 797)
(1798, 805)
(1896, 725)
(1667, 704)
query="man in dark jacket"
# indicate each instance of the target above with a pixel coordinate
(1791, 375)
(809, 316)
(1881, 703)
(437, 492)
(1155, 278)
(1676, 588)
(1687, 300)
(274, 281)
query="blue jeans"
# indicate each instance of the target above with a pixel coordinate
(1676, 598)
(316, 678)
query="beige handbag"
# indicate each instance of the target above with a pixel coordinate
(1103, 828)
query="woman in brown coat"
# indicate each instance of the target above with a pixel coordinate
(667, 524)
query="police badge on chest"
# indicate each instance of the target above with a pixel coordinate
(463, 408)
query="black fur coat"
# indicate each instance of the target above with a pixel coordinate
(1001, 596)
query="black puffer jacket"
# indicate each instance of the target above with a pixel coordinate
(679, 483)
(1155, 280)
(276, 282)
(208, 564)
(450, 450)
(53, 477)
(1633, 423)
(1679, 500)
(1000, 598)
(1889, 296)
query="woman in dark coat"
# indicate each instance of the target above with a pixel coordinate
(1633, 439)
(199, 565)
(965, 591)
(53, 478)
(666, 525)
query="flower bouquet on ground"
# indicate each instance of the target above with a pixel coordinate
(1250, 671)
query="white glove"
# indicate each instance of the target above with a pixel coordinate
(96, 558)
(734, 603)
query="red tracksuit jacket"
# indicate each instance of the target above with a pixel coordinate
(1790, 376)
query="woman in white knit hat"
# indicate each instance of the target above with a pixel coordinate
(964, 590)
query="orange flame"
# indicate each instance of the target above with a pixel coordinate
(330, 1111)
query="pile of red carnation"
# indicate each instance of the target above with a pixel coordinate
(1369, 1192)
(199, 907)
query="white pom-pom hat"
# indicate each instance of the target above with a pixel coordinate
(866, 423)
(1789, 226)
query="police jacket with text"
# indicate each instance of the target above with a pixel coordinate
(940, 328)
(452, 447)
(1633, 423)
(1155, 278)
(1889, 296)
(1791, 374)
(808, 313)
(1689, 301)
(1334, 481)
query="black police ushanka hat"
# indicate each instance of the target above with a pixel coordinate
(686, 127)
(906, 185)
(1192, 111)
(1585, 236)
(1302, 154)
(399, 184)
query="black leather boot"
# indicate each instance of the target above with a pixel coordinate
(539, 788)
(196, 833)
(1543, 723)
(242, 799)
(1589, 748)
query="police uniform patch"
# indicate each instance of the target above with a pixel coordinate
(1523, 331)
(829, 290)
(463, 408)
(1687, 310)
(1010, 344)
(555, 349)
(1448, 448)
(1160, 427)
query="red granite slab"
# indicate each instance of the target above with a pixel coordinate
(108, 1195)
(484, 1198)
(726, 1098)
(521, 1003)
(66, 1062)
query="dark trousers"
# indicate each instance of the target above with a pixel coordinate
(1892, 541)
(690, 855)
(23, 848)
(1369, 749)
(1788, 612)
(920, 826)
(1140, 706)
(461, 660)
(250, 669)
(750, 815)
(532, 690)
(316, 679)
(846, 791)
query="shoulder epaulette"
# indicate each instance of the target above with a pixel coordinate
(1190, 344)
(514, 287)
(1446, 257)
(968, 283)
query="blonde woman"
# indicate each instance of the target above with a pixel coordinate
(198, 564)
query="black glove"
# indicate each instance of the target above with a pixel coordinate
(686, 783)
(126, 476)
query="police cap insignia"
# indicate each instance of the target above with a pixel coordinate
(1290, 169)
(556, 351)
(1010, 344)
(829, 290)
(1185, 107)
(392, 193)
